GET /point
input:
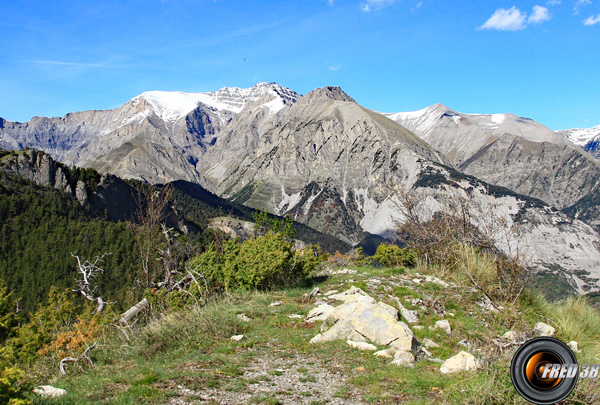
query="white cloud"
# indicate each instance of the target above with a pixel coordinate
(417, 6)
(506, 20)
(376, 4)
(579, 4)
(553, 2)
(539, 15)
(592, 20)
(330, 2)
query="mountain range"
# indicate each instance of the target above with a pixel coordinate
(332, 164)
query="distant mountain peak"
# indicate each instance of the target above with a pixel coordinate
(174, 105)
(329, 92)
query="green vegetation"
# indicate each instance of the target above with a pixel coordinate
(41, 227)
(189, 355)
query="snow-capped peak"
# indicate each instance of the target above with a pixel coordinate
(581, 136)
(174, 105)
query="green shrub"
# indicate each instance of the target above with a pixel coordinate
(394, 256)
(262, 262)
(12, 386)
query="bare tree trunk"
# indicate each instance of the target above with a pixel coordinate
(134, 311)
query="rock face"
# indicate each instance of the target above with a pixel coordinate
(156, 137)
(325, 160)
(459, 136)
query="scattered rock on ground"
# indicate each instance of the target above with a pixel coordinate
(404, 358)
(573, 345)
(463, 361)
(429, 344)
(387, 353)
(361, 345)
(49, 391)
(237, 338)
(435, 280)
(314, 292)
(243, 318)
(295, 316)
(444, 325)
(275, 304)
(410, 316)
(543, 329)
(510, 336)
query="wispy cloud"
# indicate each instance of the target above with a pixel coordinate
(370, 5)
(506, 20)
(539, 15)
(592, 20)
(553, 2)
(72, 64)
(417, 6)
(579, 4)
(333, 67)
(330, 2)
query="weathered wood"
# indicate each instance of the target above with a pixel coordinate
(134, 311)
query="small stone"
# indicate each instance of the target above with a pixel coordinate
(314, 292)
(404, 358)
(427, 352)
(295, 316)
(573, 345)
(510, 336)
(435, 280)
(243, 318)
(463, 361)
(418, 327)
(464, 343)
(275, 304)
(49, 391)
(328, 293)
(444, 325)
(237, 338)
(361, 345)
(387, 353)
(430, 344)
(359, 369)
(416, 280)
(543, 329)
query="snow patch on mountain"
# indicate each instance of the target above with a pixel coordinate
(174, 105)
(581, 136)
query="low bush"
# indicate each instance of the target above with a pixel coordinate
(259, 263)
(394, 256)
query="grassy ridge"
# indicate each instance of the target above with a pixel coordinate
(189, 355)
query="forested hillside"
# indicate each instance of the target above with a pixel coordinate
(40, 228)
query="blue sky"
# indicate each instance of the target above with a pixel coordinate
(538, 59)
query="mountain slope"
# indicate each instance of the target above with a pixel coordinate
(156, 137)
(325, 159)
(510, 151)
(587, 139)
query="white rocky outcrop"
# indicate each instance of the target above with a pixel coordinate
(463, 361)
(48, 391)
(543, 329)
(361, 319)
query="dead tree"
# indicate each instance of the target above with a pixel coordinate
(87, 285)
